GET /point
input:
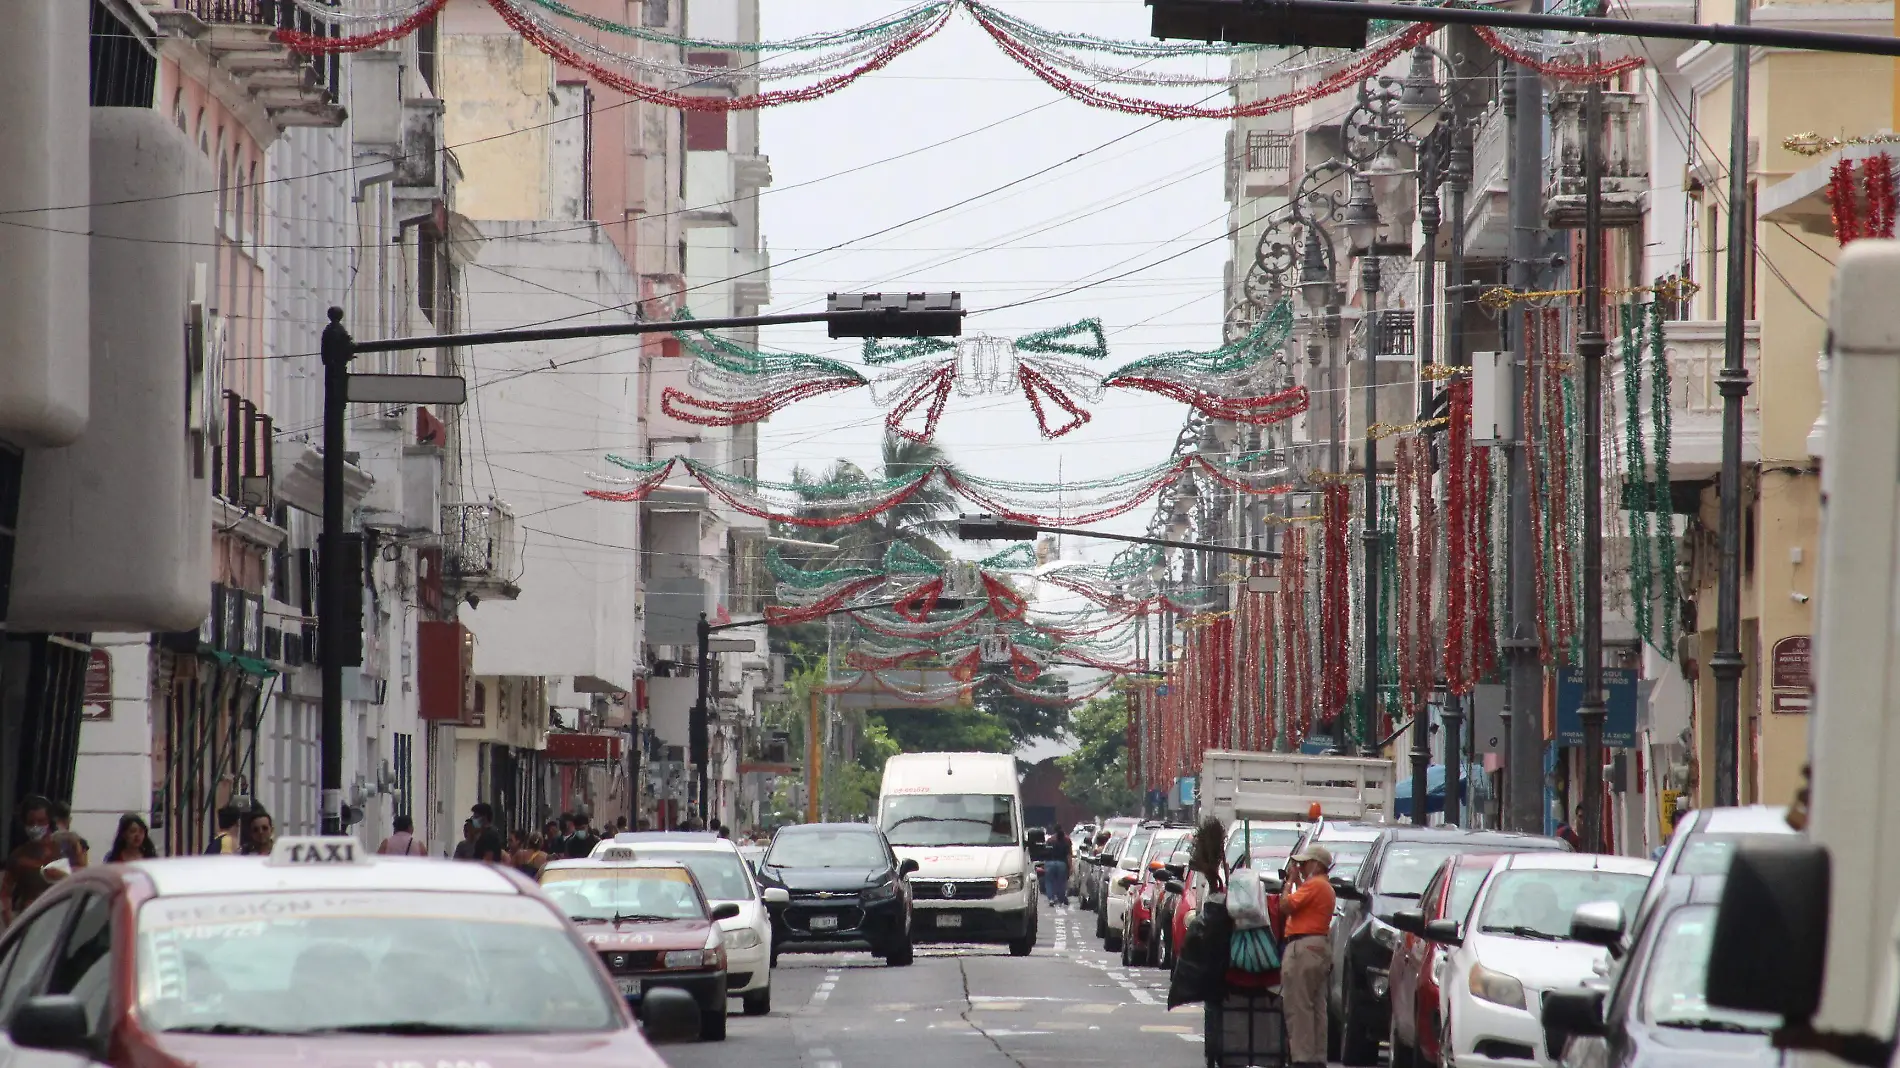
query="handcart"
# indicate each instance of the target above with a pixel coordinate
(1245, 1026)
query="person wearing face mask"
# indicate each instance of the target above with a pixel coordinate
(24, 879)
(489, 845)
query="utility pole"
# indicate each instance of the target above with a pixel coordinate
(1590, 347)
(1524, 765)
(1457, 180)
(1726, 663)
(1428, 219)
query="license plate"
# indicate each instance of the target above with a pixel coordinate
(824, 923)
(628, 987)
(949, 919)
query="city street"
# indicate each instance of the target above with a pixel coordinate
(1068, 1003)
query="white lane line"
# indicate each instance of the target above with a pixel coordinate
(822, 1053)
(823, 993)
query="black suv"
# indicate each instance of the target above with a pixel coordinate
(832, 886)
(1397, 867)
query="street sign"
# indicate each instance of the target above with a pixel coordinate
(408, 389)
(1263, 584)
(730, 645)
(1619, 697)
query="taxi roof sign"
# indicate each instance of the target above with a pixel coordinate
(317, 849)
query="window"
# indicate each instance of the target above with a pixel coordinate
(655, 13)
(1538, 902)
(706, 131)
(84, 967)
(31, 951)
(1269, 151)
(604, 891)
(949, 819)
(1679, 974)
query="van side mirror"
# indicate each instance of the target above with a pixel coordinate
(1569, 1013)
(1272, 884)
(1443, 932)
(776, 895)
(1770, 945)
(1599, 923)
(1411, 921)
(906, 866)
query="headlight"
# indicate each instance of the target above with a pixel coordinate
(1008, 883)
(881, 892)
(1189, 918)
(693, 958)
(742, 938)
(1385, 934)
(1496, 987)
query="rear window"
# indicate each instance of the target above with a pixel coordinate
(1137, 845)
(1711, 854)
(1464, 890)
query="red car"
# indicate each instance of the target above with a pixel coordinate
(322, 954)
(1413, 980)
(1145, 897)
(1181, 895)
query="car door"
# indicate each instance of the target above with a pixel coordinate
(1346, 920)
(27, 958)
(1407, 961)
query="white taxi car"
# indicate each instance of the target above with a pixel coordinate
(727, 879)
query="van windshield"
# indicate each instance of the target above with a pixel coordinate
(949, 820)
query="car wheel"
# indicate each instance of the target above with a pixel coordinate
(900, 952)
(1101, 923)
(1112, 942)
(757, 1002)
(712, 1025)
(1158, 952)
(1356, 1048)
(1020, 947)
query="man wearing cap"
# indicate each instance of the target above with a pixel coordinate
(1307, 905)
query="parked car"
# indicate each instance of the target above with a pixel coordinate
(1704, 843)
(1117, 879)
(1145, 895)
(832, 886)
(726, 878)
(1656, 1013)
(1396, 870)
(1347, 842)
(1090, 866)
(1162, 933)
(652, 926)
(1516, 947)
(1416, 960)
(1266, 844)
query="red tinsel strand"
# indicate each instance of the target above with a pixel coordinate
(781, 615)
(680, 404)
(935, 388)
(916, 605)
(1402, 460)
(1426, 544)
(1458, 542)
(1532, 409)
(1299, 642)
(695, 102)
(886, 505)
(1563, 70)
(1335, 612)
(1005, 604)
(1031, 381)
(319, 44)
(1841, 204)
(1877, 175)
(1484, 656)
(1256, 411)
(1561, 489)
(640, 492)
(1369, 61)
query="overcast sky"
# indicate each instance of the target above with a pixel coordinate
(1154, 192)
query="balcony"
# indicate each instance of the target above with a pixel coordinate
(1488, 205)
(1694, 351)
(1623, 152)
(752, 278)
(295, 89)
(1269, 164)
(481, 551)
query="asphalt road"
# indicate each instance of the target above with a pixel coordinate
(1068, 1004)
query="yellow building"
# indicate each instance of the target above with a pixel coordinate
(1790, 94)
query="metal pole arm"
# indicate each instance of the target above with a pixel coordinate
(563, 333)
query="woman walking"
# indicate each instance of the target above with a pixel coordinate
(132, 842)
(1056, 869)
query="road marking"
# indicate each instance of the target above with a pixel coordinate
(1166, 1029)
(1060, 1025)
(1001, 1006)
(822, 1053)
(1192, 1038)
(823, 993)
(1097, 1009)
(1142, 996)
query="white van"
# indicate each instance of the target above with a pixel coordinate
(959, 816)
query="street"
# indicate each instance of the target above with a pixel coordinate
(1068, 1003)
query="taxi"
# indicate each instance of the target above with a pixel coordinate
(320, 954)
(651, 925)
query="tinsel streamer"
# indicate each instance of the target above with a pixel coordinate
(702, 412)
(779, 615)
(1335, 620)
(917, 605)
(1637, 487)
(1877, 175)
(1220, 657)
(1842, 204)
(1386, 684)
(323, 44)
(633, 87)
(1530, 401)
(1035, 386)
(1005, 603)
(1661, 388)
(1408, 637)
(809, 42)
(1572, 530)
(1459, 550)
(1256, 411)
(1561, 70)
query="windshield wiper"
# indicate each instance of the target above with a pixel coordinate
(1521, 931)
(1728, 1027)
(936, 819)
(643, 917)
(1413, 894)
(408, 1027)
(225, 1029)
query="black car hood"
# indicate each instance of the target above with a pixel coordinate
(797, 879)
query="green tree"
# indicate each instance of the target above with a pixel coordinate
(1096, 774)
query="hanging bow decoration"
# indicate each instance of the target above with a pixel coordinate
(980, 365)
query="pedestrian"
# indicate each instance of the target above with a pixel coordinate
(132, 842)
(644, 824)
(550, 833)
(713, 825)
(403, 843)
(72, 850)
(260, 833)
(465, 849)
(526, 856)
(580, 844)
(620, 825)
(230, 835)
(62, 814)
(1057, 867)
(1306, 970)
(489, 845)
(1568, 831)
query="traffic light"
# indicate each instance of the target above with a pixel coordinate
(1256, 22)
(895, 314)
(990, 528)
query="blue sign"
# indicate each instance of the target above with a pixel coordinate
(1163, 690)
(1186, 792)
(1619, 697)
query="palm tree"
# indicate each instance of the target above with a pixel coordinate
(916, 523)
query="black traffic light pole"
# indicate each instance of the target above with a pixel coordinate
(848, 315)
(990, 528)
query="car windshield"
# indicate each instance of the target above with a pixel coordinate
(1408, 866)
(1137, 845)
(1162, 846)
(949, 820)
(1537, 902)
(608, 892)
(722, 875)
(826, 849)
(1347, 857)
(1276, 842)
(370, 962)
(1710, 854)
(1465, 881)
(1679, 974)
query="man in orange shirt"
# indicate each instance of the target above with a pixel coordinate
(1307, 905)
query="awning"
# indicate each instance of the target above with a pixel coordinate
(1477, 788)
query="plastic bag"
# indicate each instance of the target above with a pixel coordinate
(1202, 961)
(1247, 900)
(1254, 951)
